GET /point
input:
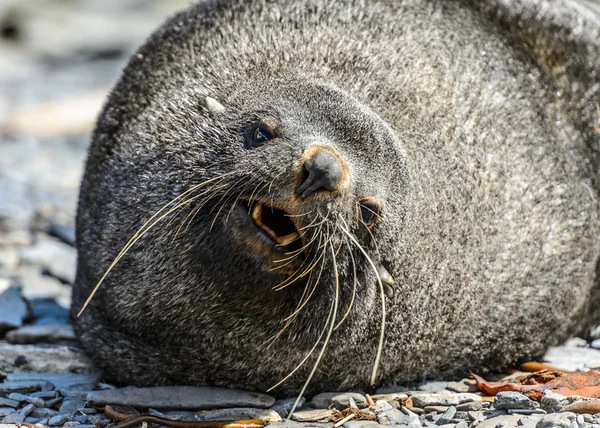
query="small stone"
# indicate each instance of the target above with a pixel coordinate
(556, 420)
(230, 414)
(59, 380)
(32, 420)
(500, 421)
(473, 406)
(361, 424)
(465, 385)
(318, 415)
(382, 406)
(437, 409)
(595, 344)
(5, 402)
(46, 395)
(553, 402)
(393, 396)
(54, 402)
(22, 398)
(180, 397)
(422, 400)
(269, 416)
(55, 359)
(446, 417)
(595, 332)
(461, 424)
(32, 334)
(53, 255)
(24, 386)
(71, 406)
(71, 424)
(82, 419)
(43, 413)
(284, 406)
(58, 420)
(476, 416)
(526, 411)
(323, 400)
(5, 411)
(293, 424)
(527, 422)
(575, 342)
(397, 417)
(15, 418)
(513, 400)
(46, 311)
(65, 233)
(342, 401)
(572, 359)
(14, 309)
(25, 411)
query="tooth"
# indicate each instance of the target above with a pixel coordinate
(257, 213)
(288, 239)
(387, 281)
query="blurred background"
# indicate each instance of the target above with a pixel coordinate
(58, 59)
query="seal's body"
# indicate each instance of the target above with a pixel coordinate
(310, 149)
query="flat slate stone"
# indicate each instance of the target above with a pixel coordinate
(25, 386)
(47, 311)
(5, 402)
(180, 397)
(51, 358)
(14, 310)
(59, 380)
(49, 333)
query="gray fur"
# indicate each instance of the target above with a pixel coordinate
(471, 121)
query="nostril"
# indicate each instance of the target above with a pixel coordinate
(322, 172)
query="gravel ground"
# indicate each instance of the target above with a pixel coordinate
(59, 57)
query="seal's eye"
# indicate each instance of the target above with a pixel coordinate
(258, 135)
(368, 211)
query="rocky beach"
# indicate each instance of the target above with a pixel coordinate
(58, 60)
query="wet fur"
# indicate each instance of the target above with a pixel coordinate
(488, 175)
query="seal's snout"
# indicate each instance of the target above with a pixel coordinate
(322, 171)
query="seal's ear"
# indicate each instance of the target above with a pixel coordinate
(562, 38)
(214, 107)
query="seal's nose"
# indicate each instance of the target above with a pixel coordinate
(321, 172)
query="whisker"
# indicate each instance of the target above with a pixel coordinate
(353, 288)
(381, 290)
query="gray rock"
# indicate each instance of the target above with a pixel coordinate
(513, 400)
(5, 411)
(64, 232)
(15, 418)
(465, 385)
(422, 400)
(58, 419)
(527, 422)
(5, 402)
(293, 424)
(56, 359)
(434, 386)
(323, 400)
(46, 395)
(342, 401)
(25, 411)
(43, 412)
(556, 420)
(53, 402)
(392, 396)
(53, 255)
(473, 406)
(72, 424)
(269, 416)
(25, 386)
(22, 398)
(526, 412)
(575, 342)
(180, 397)
(382, 406)
(31, 334)
(572, 359)
(71, 406)
(396, 417)
(318, 415)
(32, 420)
(284, 406)
(595, 332)
(437, 409)
(46, 311)
(77, 390)
(82, 419)
(230, 414)
(504, 420)
(446, 417)
(59, 380)
(14, 309)
(362, 424)
(553, 402)
(461, 424)
(595, 344)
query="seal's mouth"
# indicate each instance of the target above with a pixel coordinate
(276, 225)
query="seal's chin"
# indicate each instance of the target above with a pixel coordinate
(275, 225)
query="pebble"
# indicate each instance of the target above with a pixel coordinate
(446, 417)
(269, 416)
(394, 396)
(5, 402)
(14, 309)
(36, 401)
(361, 424)
(433, 386)
(284, 406)
(343, 401)
(25, 386)
(318, 415)
(58, 258)
(71, 406)
(294, 424)
(41, 334)
(230, 414)
(465, 385)
(526, 411)
(556, 420)
(513, 400)
(46, 311)
(15, 418)
(58, 419)
(572, 359)
(59, 380)
(505, 420)
(43, 412)
(473, 406)
(553, 402)
(323, 400)
(56, 358)
(5, 411)
(180, 397)
(422, 400)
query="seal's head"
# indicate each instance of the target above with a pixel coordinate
(261, 216)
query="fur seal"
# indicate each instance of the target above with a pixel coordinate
(288, 171)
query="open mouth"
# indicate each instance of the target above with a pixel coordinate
(276, 225)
